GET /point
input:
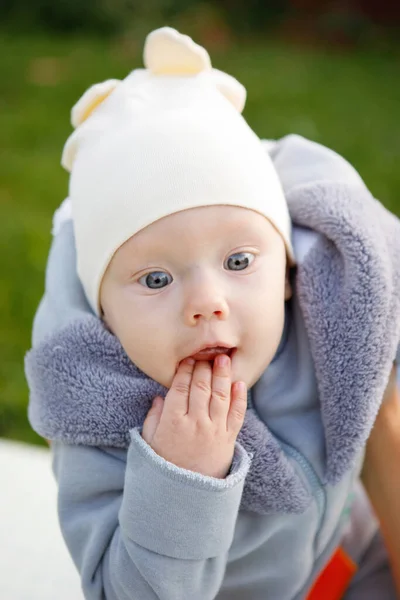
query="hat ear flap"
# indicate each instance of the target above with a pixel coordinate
(168, 52)
(91, 99)
(81, 111)
(231, 88)
(69, 151)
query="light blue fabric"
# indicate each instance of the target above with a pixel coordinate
(137, 526)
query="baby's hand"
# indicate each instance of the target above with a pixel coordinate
(197, 424)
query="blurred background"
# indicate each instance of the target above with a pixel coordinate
(329, 71)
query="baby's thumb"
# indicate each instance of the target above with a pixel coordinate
(152, 420)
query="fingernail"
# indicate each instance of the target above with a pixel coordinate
(189, 361)
(241, 387)
(222, 360)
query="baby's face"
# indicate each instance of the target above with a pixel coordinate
(204, 276)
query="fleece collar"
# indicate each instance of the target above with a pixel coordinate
(85, 390)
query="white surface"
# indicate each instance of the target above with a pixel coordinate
(34, 562)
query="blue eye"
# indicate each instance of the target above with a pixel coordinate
(239, 261)
(155, 280)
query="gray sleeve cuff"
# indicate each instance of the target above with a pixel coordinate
(176, 512)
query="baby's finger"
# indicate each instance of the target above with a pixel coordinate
(238, 407)
(200, 390)
(152, 420)
(220, 388)
(177, 399)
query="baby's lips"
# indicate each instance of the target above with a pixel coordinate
(211, 353)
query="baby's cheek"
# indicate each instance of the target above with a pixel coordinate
(158, 367)
(162, 374)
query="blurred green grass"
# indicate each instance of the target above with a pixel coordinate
(349, 102)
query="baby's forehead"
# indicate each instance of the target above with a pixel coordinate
(199, 228)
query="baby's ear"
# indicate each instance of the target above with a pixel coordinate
(81, 111)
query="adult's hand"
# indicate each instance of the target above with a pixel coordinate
(381, 472)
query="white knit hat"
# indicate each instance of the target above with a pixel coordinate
(167, 138)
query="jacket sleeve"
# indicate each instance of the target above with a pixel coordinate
(140, 528)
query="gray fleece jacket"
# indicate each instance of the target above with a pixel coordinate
(136, 525)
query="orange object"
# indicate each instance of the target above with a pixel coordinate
(334, 580)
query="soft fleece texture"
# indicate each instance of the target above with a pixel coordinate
(84, 389)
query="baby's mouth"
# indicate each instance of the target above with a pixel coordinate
(211, 353)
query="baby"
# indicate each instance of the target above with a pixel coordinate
(209, 382)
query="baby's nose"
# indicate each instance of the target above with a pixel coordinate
(205, 305)
(207, 315)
